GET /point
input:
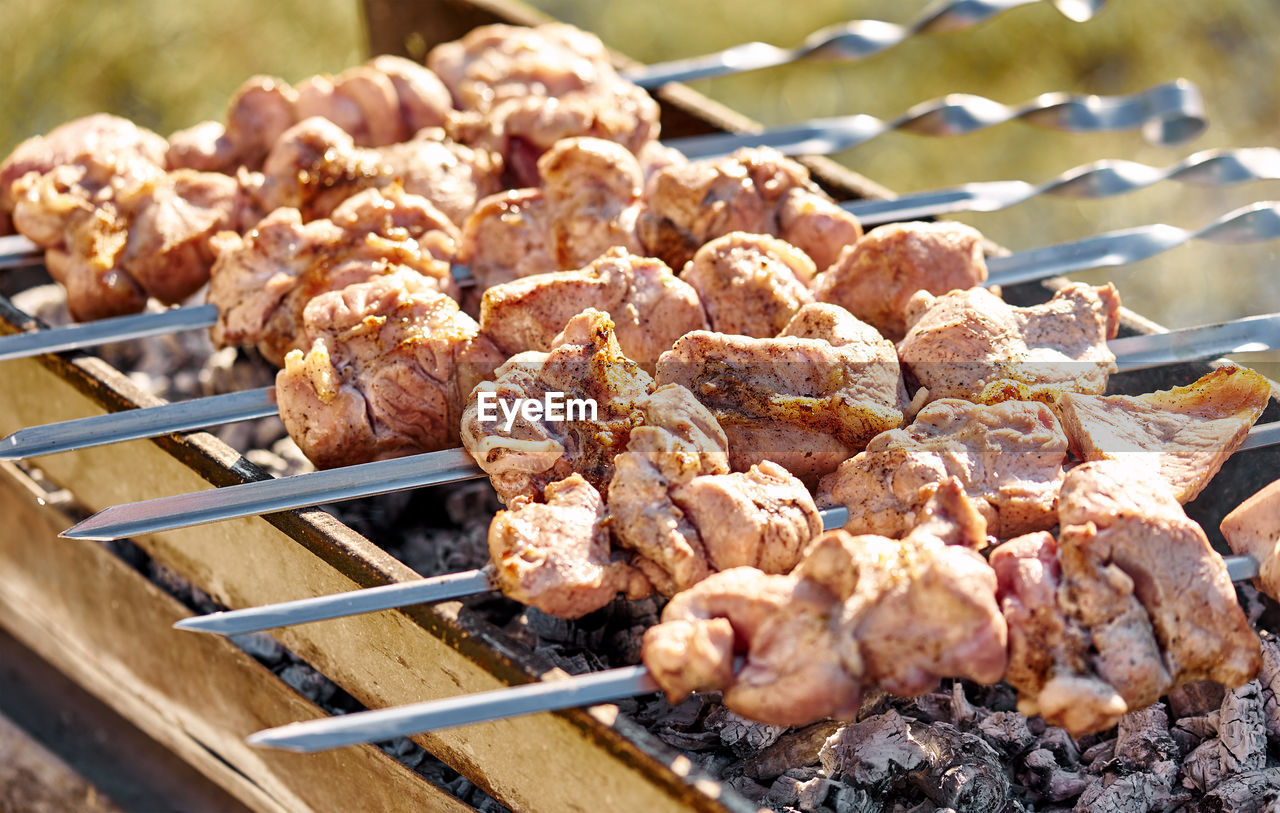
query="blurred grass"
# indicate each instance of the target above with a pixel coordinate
(168, 65)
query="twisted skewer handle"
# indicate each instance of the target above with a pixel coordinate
(1100, 179)
(1256, 223)
(849, 41)
(1165, 114)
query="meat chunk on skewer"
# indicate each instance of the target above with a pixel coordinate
(527, 88)
(1131, 602)
(750, 284)
(1008, 456)
(389, 364)
(117, 230)
(649, 305)
(86, 141)
(521, 448)
(556, 556)
(587, 204)
(385, 101)
(758, 191)
(1253, 529)
(858, 610)
(808, 399)
(314, 166)
(1183, 435)
(263, 280)
(876, 277)
(971, 344)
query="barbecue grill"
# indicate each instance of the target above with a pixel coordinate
(91, 613)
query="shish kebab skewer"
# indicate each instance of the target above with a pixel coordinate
(1250, 334)
(1095, 180)
(1252, 526)
(1257, 222)
(845, 41)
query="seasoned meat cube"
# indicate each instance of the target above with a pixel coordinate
(523, 452)
(1132, 602)
(973, 345)
(808, 399)
(1253, 529)
(1183, 434)
(314, 166)
(383, 102)
(650, 307)
(857, 609)
(262, 281)
(529, 88)
(679, 441)
(92, 139)
(797, 669)
(389, 364)
(758, 191)
(1009, 457)
(555, 555)
(120, 229)
(750, 284)
(876, 277)
(587, 204)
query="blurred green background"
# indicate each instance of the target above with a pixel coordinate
(168, 65)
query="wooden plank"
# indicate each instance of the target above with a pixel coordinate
(32, 778)
(104, 625)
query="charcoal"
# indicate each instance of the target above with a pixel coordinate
(1242, 731)
(308, 682)
(1100, 752)
(1195, 699)
(1200, 727)
(1051, 781)
(1202, 768)
(1006, 730)
(747, 787)
(1060, 743)
(960, 770)
(873, 752)
(1248, 792)
(1143, 738)
(740, 734)
(1132, 793)
(799, 747)
(1270, 681)
(260, 646)
(847, 799)
(801, 794)
(962, 711)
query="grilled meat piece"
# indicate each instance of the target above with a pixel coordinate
(1253, 529)
(587, 204)
(528, 88)
(388, 366)
(263, 280)
(808, 399)
(555, 555)
(758, 191)
(1008, 456)
(524, 452)
(118, 229)
(750, 284)
(1132, 602)
(88, 141)
(857, 610)
(649, 306)
(973, 345)
(1183, 435)
(314, 166)
(385, 101)
(876, 277)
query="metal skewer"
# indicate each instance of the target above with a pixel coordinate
(373, 599)
(845, 41)
(1100, 179)
(548, 695)
(1251, 334)
(1166, 114)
